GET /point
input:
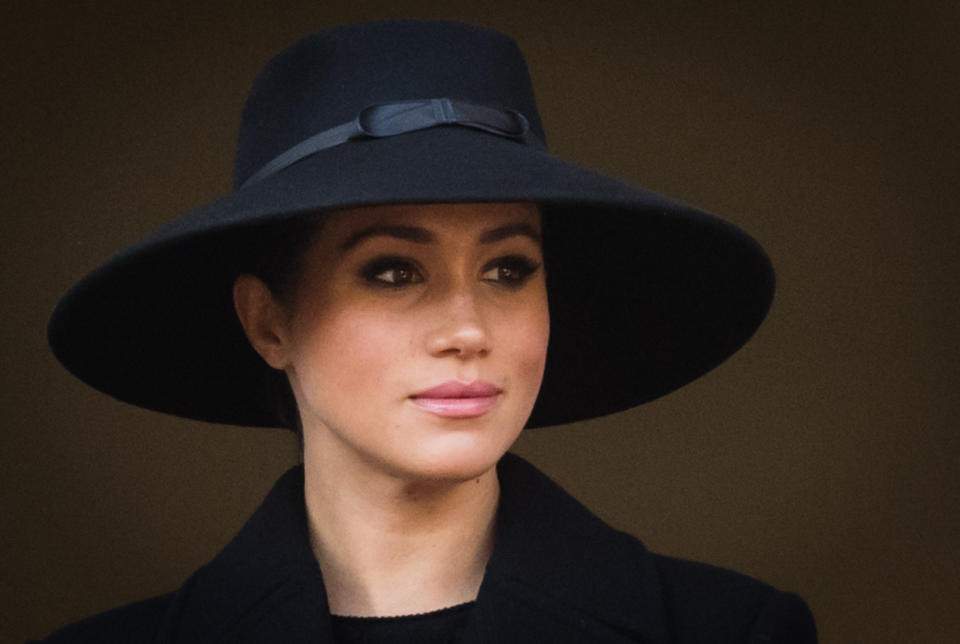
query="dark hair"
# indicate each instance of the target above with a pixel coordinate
(275, 254)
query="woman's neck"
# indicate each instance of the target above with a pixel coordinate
(389, 545)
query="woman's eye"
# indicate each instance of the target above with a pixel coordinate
(392, 272)
(510, 271)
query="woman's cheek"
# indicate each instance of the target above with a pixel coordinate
(367, 343)
(531, 350)
(339, 349)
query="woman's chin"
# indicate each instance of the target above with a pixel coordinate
(451, 462)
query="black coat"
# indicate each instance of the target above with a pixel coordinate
(557, 574)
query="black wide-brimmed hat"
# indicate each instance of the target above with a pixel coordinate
(645, 294)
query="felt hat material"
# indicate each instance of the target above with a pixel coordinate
(645, 293)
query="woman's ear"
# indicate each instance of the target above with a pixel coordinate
(263, 319)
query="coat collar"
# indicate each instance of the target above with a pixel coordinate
(557, 573)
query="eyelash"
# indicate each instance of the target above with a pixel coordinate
(520, 266)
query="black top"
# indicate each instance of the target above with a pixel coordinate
(557, 574)
(436, 627)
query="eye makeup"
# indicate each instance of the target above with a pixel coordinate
(397, 271)
(403, 271)
(512, 270)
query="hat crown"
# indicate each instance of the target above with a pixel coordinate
(327, 78)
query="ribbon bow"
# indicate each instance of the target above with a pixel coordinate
(390, 119)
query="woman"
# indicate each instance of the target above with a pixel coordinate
(386, 279)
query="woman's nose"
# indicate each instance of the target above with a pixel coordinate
(461, 330)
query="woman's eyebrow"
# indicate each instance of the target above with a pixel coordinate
(510, 230)
(424, 236)
(410, 233)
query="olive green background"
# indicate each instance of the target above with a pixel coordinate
(822, 458)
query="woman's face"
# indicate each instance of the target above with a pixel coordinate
(397, 300)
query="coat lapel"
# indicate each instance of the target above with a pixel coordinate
(265, 586)
(557, 574)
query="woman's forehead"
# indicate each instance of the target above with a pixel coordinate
(438, 217)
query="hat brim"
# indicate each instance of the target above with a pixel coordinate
(646, 294)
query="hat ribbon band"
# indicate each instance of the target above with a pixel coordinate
(390, 119)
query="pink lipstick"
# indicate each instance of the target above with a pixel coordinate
(454, 399)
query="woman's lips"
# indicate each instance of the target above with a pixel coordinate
(454, 399)
(457, 407)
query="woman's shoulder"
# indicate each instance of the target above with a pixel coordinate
(132, 623)
(610, 574)
(703, 598)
